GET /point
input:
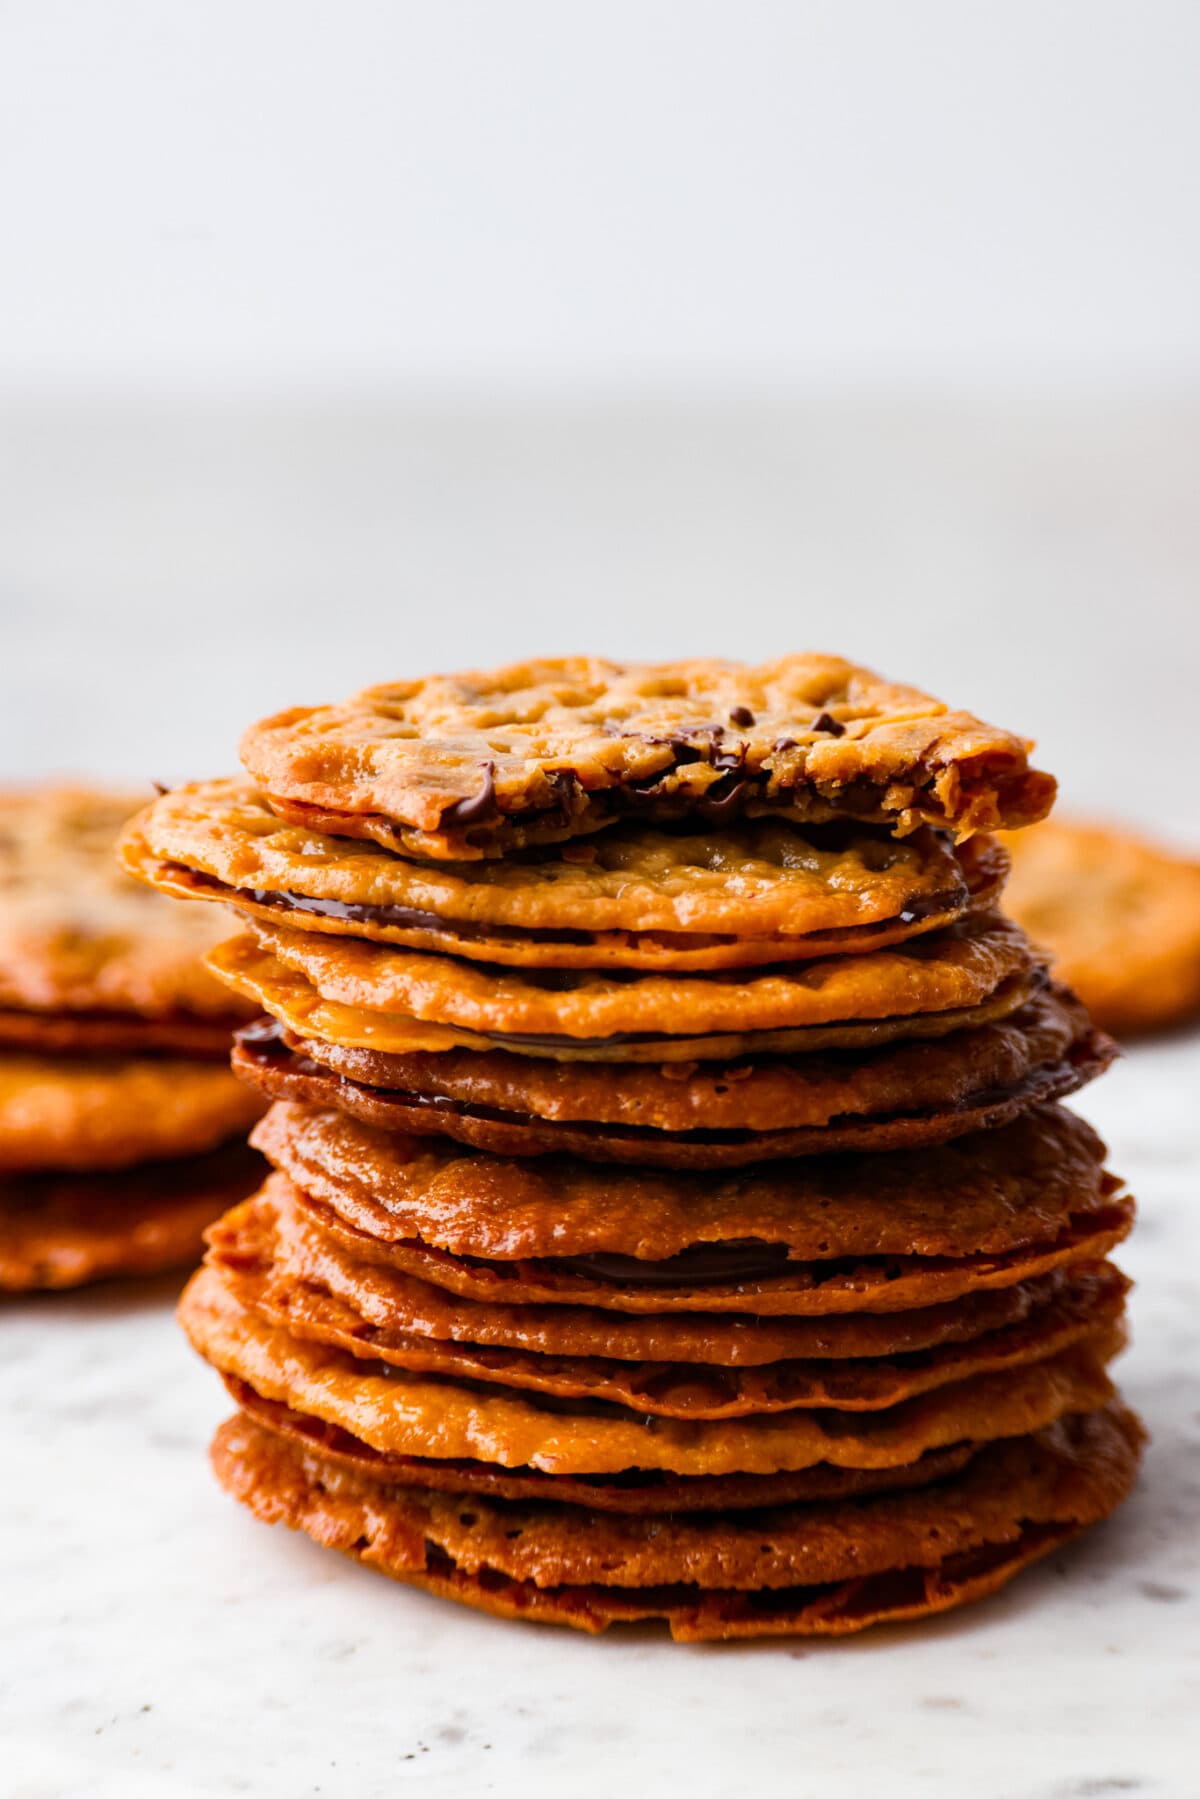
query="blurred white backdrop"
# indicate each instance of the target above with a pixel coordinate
(323, 190)
(339, 341)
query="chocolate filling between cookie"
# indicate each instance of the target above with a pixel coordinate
(264, 1055)
(949, 901)
(736, 791)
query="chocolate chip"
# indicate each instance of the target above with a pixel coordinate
(784, 743)
(479, 806)
(728, 759)
(681, 750)
(159, 788)
(825, 721)
(742, 715)
(719, 806)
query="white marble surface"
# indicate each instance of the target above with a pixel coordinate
(163, 579)
(157, 1641)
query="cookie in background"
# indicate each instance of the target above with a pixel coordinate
(1119, 914)
(121, 1127)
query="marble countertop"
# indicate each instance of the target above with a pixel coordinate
(157, 1641)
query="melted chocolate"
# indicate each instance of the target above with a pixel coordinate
(414, 918)
(268, 1043)
(719, 807)
(408, 918)
(478, 808)
(705, 1264)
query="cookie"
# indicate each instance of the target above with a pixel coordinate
(116, 1033)
(636, 1492)
(112, 1112)
(805, 1569)
(481, 764)
(293, 1002)
(744, 1279)
(711, 1115)
(62, 1231)
(417, 1415)
(746, 1095)
(369, 996)
(77, 935)
(983, 1195)
(1121, 917)
(1087, 1309)
(1006, 1486)
(758, 892)
(274, 1239)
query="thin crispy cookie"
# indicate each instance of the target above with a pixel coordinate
(473, 764)
(1073, 1472)
(88, 1113)
(757, 892)
(77, 935)
(60, 1231)
(273, 1235)
(1121, 917)
(419, 1415)
(1044, 1061)
(990, 1194)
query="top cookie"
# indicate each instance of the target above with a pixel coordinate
(76, 934)
(479, 764)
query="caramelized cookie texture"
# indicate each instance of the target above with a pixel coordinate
(961, 967)
(1071, 1470)
(117, 1107)
(1121, 918)
(746, 1095)
(370, 996)
(696, 1115)
(293, 1001)
(761, 891)
(418, 1415)
(275, 1238)
(351, 1312)
(803, 1570)
(108, 1112)
(77, 935)
(867, 1284)
(985, 1195)
(59, 1230)
(636, 1492)
(459, 766)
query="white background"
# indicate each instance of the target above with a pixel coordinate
(342, 341)
(320, 190)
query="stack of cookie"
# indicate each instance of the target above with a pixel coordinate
(121, 1127)
(671, 1212)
